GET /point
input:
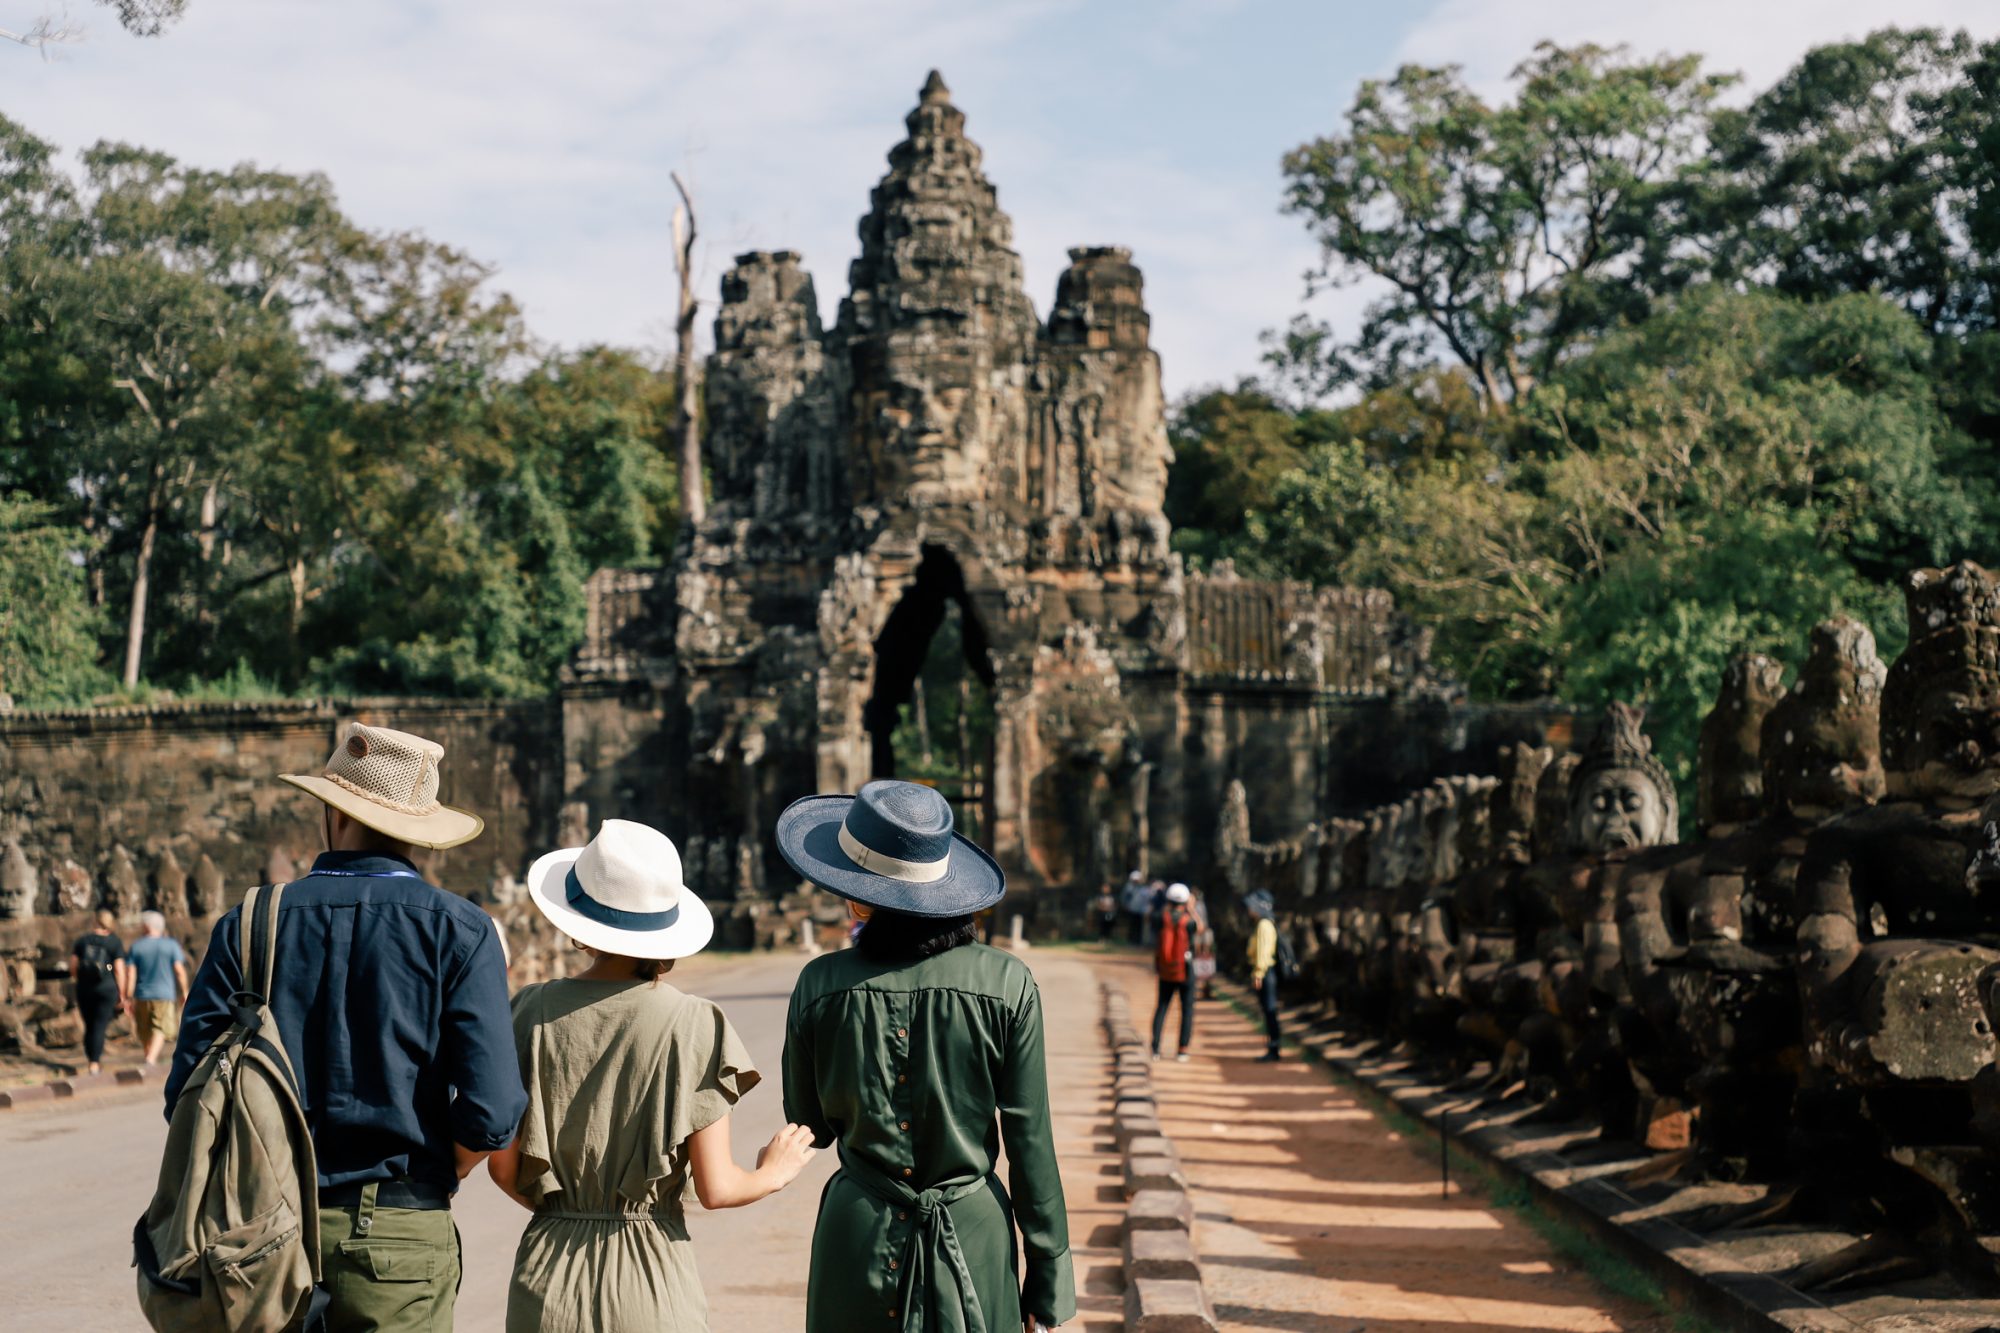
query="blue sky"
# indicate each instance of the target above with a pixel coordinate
(538, 136)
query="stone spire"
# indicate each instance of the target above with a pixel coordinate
(937, 328)
(936, 251)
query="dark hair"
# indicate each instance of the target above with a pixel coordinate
(644, 969)
(898, 937)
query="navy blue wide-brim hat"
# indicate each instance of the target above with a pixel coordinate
(891, 845)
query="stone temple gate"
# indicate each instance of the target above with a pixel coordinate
(942, 449)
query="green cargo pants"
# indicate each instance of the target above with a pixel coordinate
(390, 1270)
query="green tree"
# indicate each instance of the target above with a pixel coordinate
(48, 649)
(1504, 235)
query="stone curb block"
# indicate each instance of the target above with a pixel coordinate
(1159, 1210)
(40, 1092)
(1152, 1173)
(1124, 1131)
(1155, 1145)
(1160, 1254)
(1166, 1305)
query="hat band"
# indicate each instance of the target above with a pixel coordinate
(889, 867)
(584, 905)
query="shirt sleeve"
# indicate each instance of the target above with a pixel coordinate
(1048, 1288)
(801, 1078)
(477, 1049)
(219, 977)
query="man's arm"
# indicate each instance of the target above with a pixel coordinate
(207, 1013)
(477, 1051)
(181, 980)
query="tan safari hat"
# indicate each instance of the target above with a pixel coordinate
(388, 780)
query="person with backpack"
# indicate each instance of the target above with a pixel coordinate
(630, 1085)
(1268, 960)
(97, 967)
(377, 1004)
(1173, 962)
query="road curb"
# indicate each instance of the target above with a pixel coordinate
(1163, 1286)
(84, 1088)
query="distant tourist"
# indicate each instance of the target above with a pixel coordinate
(1264, 965)
(1136, 901)
(630, 1084)
(390, 998)
(1173, 961)
(1106, 911)
(1204, 946)
(1156, 904)
(159, 982)
(97, 968)
(906, 1049)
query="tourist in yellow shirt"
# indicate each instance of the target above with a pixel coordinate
(1264, 965)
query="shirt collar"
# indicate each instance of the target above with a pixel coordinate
(362, 863)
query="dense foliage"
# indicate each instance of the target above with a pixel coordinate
(243, 439)
(1652, 381)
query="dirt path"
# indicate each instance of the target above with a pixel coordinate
(1312, 1214)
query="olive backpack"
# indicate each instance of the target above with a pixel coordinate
(231, 1239)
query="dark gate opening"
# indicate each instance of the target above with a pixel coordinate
(930, 718)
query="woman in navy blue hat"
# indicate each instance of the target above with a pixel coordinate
(919, 1051)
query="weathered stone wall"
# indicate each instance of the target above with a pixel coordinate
(200, 780)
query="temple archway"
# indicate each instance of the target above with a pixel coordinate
(930, 715)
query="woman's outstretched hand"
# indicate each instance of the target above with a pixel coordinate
(786, 1155)
(720, 1183)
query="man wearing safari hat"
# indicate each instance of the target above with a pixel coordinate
(908, 1049)
(390, 997)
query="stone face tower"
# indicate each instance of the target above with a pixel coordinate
(940, 446)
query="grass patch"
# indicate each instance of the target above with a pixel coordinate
(1614, 1274)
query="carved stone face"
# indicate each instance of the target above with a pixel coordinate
(1616, 809)
(17, 885)
(923, 422)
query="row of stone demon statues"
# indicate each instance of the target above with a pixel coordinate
(1809, 982)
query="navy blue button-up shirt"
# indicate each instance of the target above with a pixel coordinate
(391, 1000)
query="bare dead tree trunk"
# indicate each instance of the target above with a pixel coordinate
(687, 421)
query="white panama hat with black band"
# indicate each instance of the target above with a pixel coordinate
(622, 893)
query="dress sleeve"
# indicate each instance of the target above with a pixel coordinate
(802, 1105)
(707, 1071)
(535, 1140)
(723, 1078)
(1048, 1289)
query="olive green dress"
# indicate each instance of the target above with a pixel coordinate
(619, 1074)
(921, 1071)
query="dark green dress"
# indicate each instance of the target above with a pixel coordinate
(920, 1071)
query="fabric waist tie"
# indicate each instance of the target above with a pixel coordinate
(585, 1215)
(932, 1259)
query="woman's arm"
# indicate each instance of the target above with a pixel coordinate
(504, 1165)
(720, 1183)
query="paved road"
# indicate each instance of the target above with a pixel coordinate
(73, 1180)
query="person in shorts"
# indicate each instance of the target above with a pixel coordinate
(159, 971)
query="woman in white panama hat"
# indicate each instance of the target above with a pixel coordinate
(630, 1083)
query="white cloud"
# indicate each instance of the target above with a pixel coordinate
(539, 137)
(1759, 40)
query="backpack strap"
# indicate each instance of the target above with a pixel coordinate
(257, 951)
